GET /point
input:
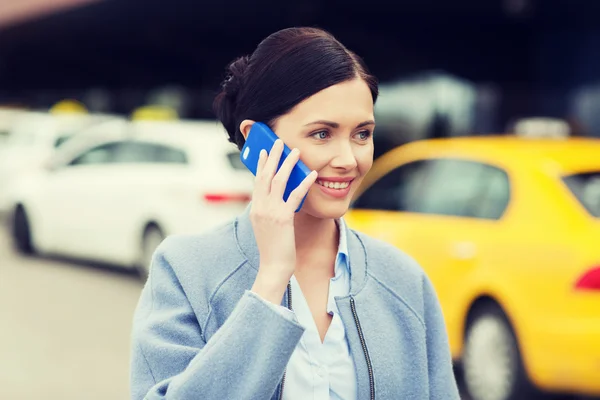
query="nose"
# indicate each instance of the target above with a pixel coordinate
(344, 158)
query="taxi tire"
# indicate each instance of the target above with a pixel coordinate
(21, 232)
(150, 237)
(521, 387)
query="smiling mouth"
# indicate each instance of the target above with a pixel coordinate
(334, 185)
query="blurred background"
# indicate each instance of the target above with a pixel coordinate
(487, 172)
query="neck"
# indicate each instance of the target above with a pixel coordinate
(312, 232)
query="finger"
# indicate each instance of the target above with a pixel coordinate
(298, 194)
(273, 160)
(261, 185)
(262, 158)
(282, 176)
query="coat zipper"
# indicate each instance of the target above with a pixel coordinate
(289, 306)
(364, 347)
(360, 336)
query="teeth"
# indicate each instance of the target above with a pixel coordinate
(334, 185)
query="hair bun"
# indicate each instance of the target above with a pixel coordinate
(235, 76)
(225, 103)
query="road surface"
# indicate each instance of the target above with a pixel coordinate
(64, 329)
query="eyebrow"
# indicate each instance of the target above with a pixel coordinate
(335, 125)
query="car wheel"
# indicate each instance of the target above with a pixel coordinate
(21, 232)
(492, 364)
(152, 237)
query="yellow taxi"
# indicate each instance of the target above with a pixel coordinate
(508, 230)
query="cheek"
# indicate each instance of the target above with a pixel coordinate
(365, 165)
(364, 159)
(313, 158)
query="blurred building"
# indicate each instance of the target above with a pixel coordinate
(447, 68)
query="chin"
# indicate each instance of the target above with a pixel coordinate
(325, 209)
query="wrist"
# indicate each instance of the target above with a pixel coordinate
(270, 288)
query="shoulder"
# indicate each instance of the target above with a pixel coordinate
(214, 246)
(199, 262)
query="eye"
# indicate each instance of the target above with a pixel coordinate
(364, 135)
(321, 135)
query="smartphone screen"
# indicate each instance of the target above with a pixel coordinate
(261, 137)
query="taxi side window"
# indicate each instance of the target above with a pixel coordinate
(465, 189)
(398, 190)
(142, 152)
(440, 187)
(496, 196)
(102, 154)
(171, 155)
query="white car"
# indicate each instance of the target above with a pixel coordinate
(32, 140)
(115, 191)
(7, 120)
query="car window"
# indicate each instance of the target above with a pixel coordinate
(133, 152)
(398, 190)
(102, 154)
(495, 195)
(143, 152)
(586, 188)
(167, 154)
(234, 160)
(465, 189)
(61, 139)
(442, 187)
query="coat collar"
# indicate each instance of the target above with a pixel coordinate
(357, 261)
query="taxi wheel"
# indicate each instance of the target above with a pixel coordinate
(492, 364)
(152, 237)
(21, 231)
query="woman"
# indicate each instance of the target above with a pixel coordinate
(291, 305)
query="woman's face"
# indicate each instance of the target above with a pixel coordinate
(333, 130)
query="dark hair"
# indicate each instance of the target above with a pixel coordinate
(287, 67)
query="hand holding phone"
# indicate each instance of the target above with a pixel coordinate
(261, 137)
(271, 216)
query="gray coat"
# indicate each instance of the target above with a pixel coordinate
(199, 333)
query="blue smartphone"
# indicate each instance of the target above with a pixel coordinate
(261, 137)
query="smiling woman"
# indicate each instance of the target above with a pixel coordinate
(216, 318)
(332, 130)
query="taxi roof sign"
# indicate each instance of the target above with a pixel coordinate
(68, 107)
(154, 113)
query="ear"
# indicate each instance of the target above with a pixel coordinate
(245, 127)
